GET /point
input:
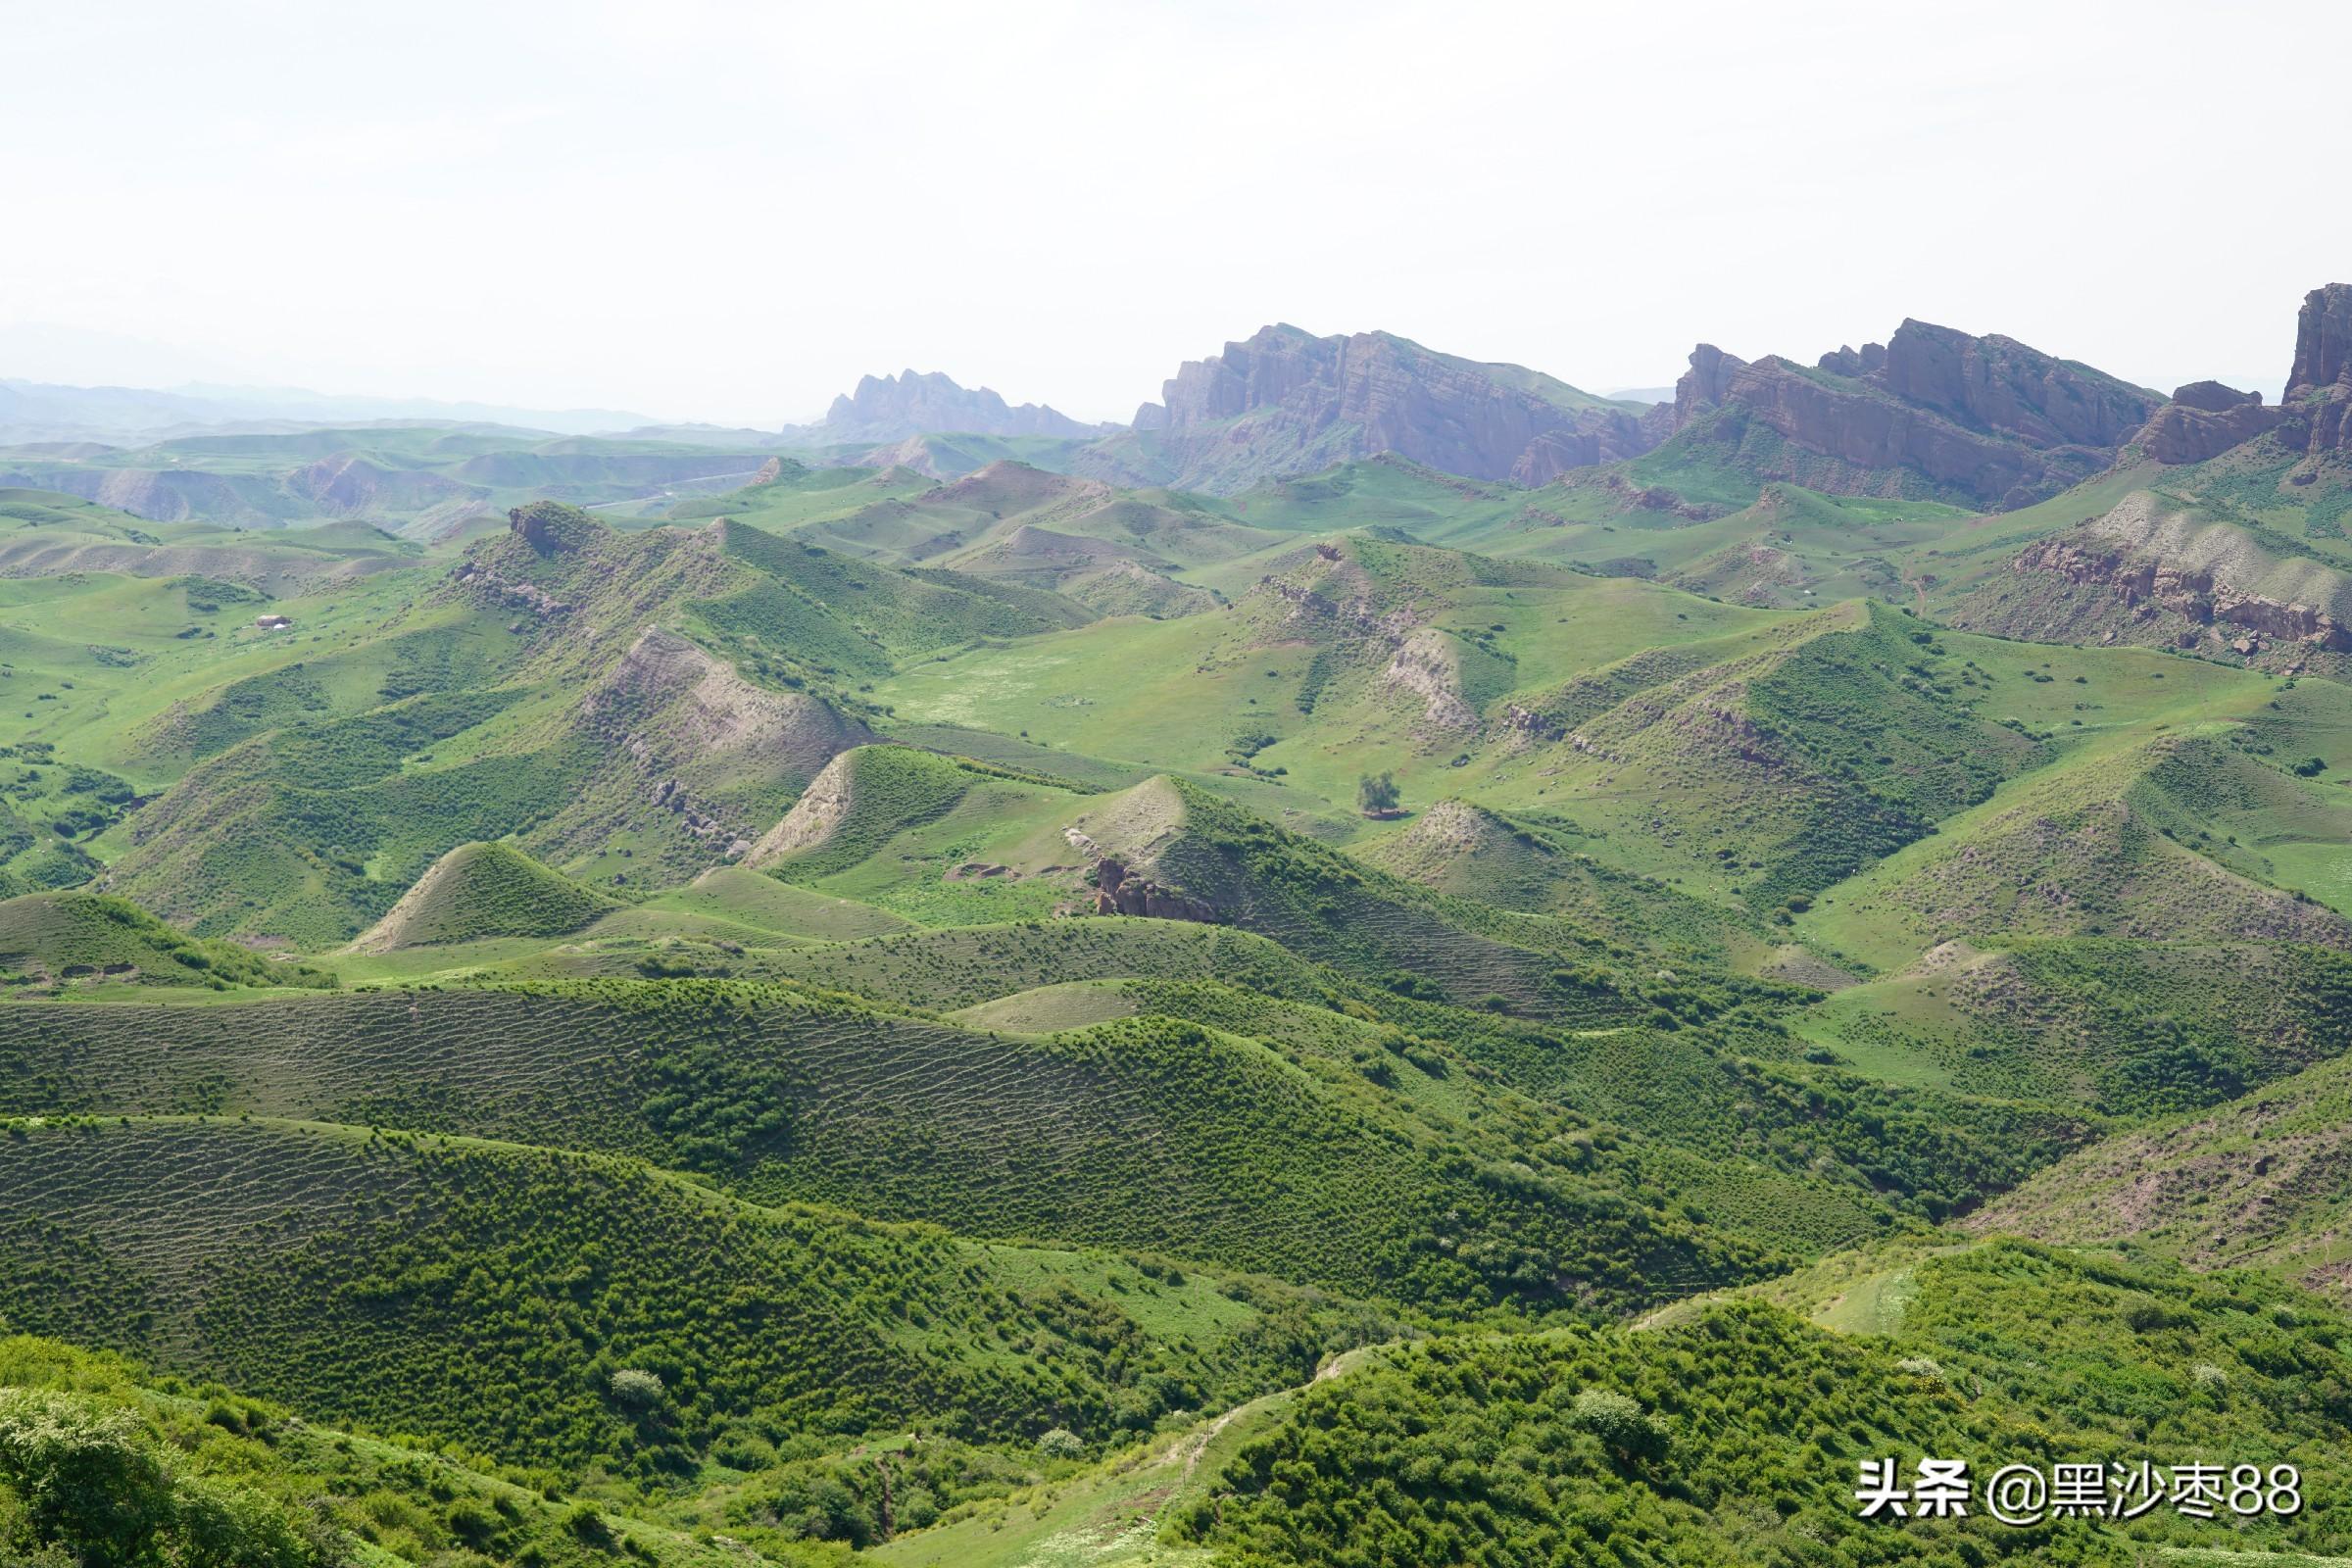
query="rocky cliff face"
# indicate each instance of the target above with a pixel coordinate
(2318, 390)
(1121, 890)
(892, 407)
(1987, 419)
(2205, 419)
(2193, 591)
(1285, 402)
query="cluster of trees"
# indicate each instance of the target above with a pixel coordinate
(82, 1483)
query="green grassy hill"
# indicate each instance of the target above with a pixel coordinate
(1689, 1441)
(2111, 1025)
(409, 1284)
(197, 1468)
(63, 940)
(478, 890)
(1732, 1433)
(2253, 1183)
(786, 1097)
(847, 1012)
(2119, 841)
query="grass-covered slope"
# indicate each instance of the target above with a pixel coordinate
(478, 890)
(2119, 841)
(198, 1472)
(63, 939)
(1243, 1157)
(490, 1294)
(1174, 845)
(2255, 1182)
(1476, 852)
(1733, 1435)
(2114, 1026)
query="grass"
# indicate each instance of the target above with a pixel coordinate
(781, 1098)
(314, 1250)
(478, 892)
(1727, 932)
(67, 941)
(302, 1491)
(1656, 1441)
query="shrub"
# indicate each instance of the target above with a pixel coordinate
(1623, 1426)
(636, 1388)
(1060, 1444)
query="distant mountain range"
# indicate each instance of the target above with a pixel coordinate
(892, 407)
(1933, 413)
(34, 411)
(1288, 401)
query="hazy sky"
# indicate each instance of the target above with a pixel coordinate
(704, 208)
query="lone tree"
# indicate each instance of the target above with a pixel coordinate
(1378, 794)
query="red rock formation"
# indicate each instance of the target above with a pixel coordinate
(2319, 389)
(1285, 401)
(2205, 419)
(1986, 416)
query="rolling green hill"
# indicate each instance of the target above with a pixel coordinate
(338, 1269)
(801, 1014)
(478, 890)
(65, 939)
(785, 1097)
(195, 1469)
(2252, 1183)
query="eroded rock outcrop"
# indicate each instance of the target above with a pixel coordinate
(2319, 389)
(1287, 402)
(2203, 420)
(1120, 890)
(2195, 593)
(1987, 419)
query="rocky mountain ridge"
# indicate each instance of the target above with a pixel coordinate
(2206, 419)
(890, 408)
(1987, 421)
(1285, 402)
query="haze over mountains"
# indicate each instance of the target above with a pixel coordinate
(1933, 412)
(1019, 993)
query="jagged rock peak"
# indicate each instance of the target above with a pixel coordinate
(892, 407)
(1987, 418)
(2320, 387)
(1285, 401)
(2323, 341)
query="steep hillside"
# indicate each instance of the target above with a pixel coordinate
(282, 1257)
(2231, 559)
(1247, 1159)
(646, 706)
(1789, 757)
(2255, 1183)
(64, 938)
(1472, 851)
(2121, 841)
(485, 889)
(2100, 1024)
(1932, 413)
(1730, 1435)
(205, 1474)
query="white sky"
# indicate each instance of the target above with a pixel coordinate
(705, 208)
